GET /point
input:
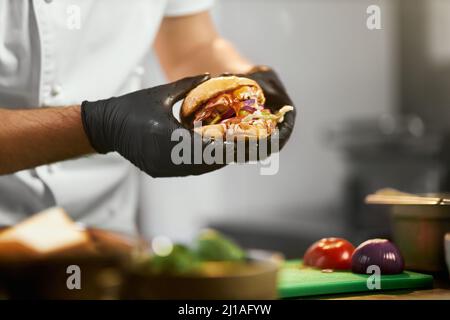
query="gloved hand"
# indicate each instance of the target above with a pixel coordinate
(139, 126)
(276, 98)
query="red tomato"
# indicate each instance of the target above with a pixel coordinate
(329, 253)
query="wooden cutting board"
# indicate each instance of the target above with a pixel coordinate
(295, 280)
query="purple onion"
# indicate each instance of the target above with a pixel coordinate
(379, 252)
(228, 114)
(249, 109)
(249, 102)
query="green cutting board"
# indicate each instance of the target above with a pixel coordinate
(294, 280)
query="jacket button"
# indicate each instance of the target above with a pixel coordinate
(56, 90)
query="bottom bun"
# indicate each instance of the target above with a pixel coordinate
(220, 131)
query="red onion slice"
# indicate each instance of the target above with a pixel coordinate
(249, 102)
(228, 114)
(248, 109)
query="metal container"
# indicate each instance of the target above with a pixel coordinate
(419, 231)
(447, 250)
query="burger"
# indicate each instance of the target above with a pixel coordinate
(230, 107)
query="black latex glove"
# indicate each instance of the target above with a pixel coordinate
(276, 98)
(139, 125)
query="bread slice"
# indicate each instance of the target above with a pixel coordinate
(48, 232)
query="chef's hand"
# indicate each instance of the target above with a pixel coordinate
(139, 126)
(276, 98)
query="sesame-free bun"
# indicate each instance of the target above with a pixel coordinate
(212, 88)
(218, 131)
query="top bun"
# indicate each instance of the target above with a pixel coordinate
(213, 87)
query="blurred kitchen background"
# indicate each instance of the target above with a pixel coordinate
(373, 111)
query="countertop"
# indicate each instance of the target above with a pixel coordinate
(440, 291)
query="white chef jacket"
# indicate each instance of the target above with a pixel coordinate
(61, 52)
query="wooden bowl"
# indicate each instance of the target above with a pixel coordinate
(252, 279)
(46, 277)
